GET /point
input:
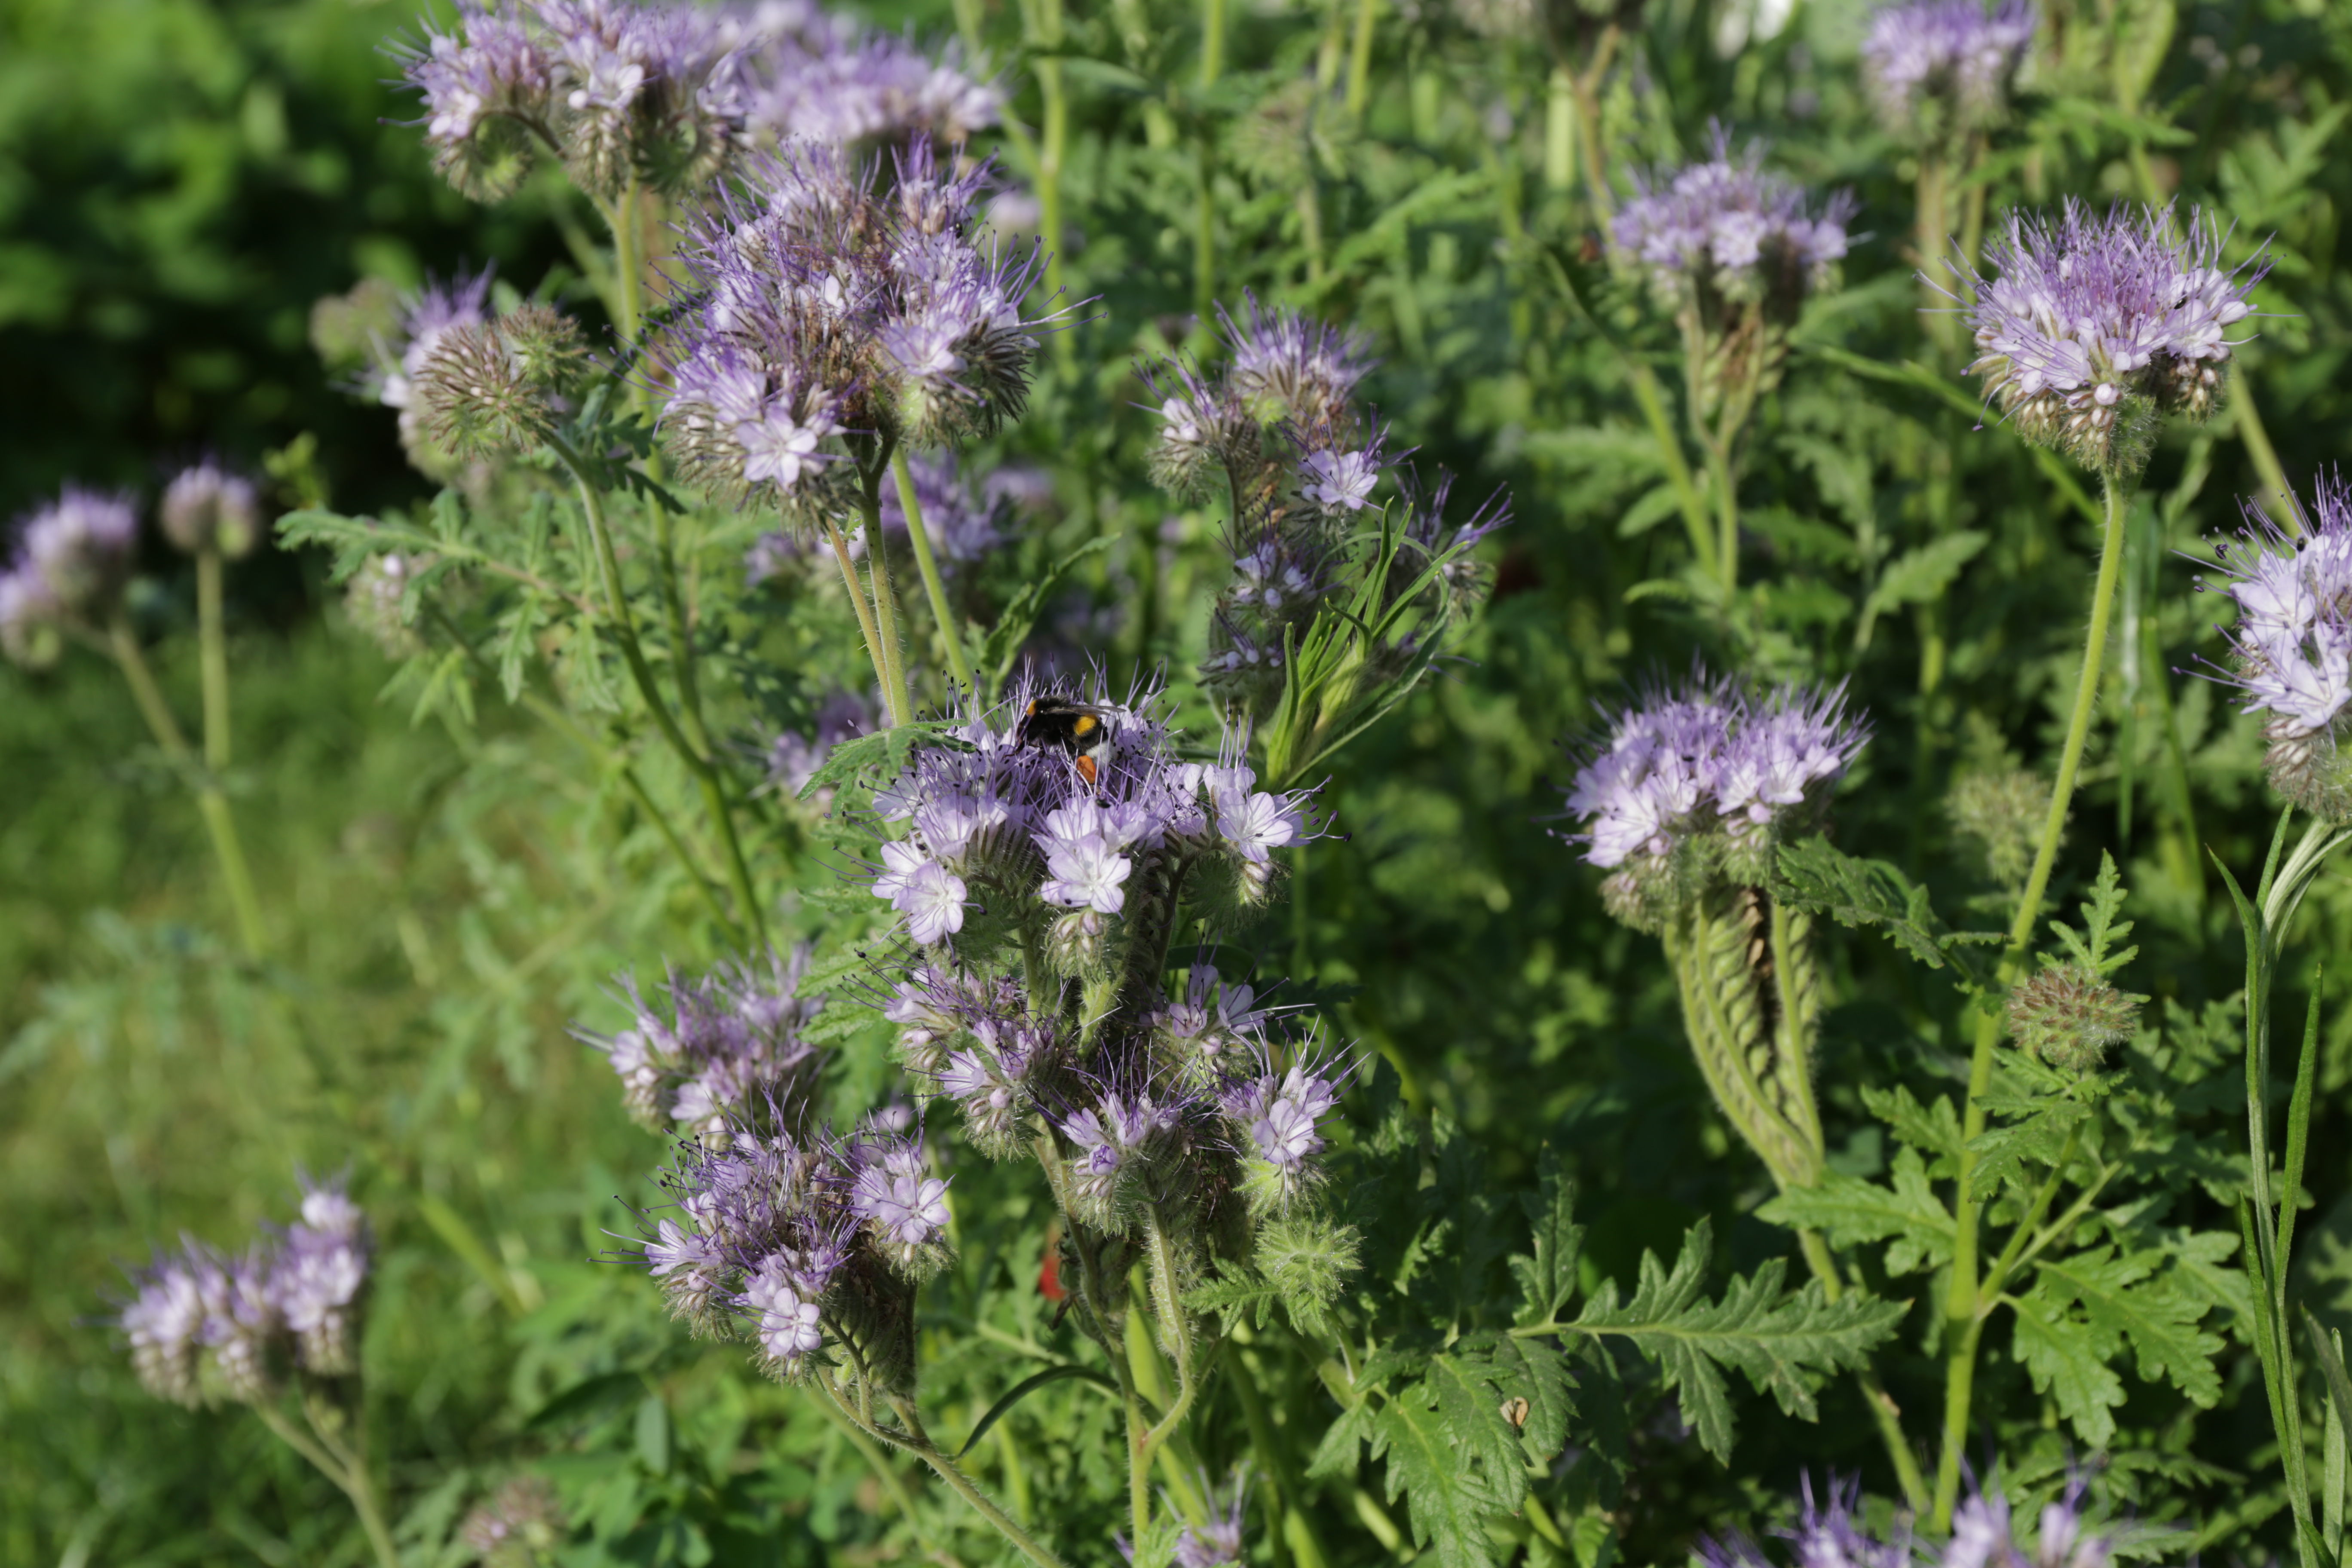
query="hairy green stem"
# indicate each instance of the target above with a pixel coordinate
(892, 662)
(2283, 507)
(1963, 1324)
(213, 655)
(1933, 236)
(959, 667)
(624, 632)
(349, 1476)
(1212, 41)
(1884, 1411)
(1205, 239)
(1653, 403)
(1053, 142)
(864, 611)
(244, 903)
(1360, 58)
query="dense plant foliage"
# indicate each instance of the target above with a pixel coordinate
(1298, 785)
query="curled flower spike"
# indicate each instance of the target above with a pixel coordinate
(204, 1325)
(728, 1041)
(1723, 228)
(821, 309)
(2097, 325)
(1707, 768)
(1938, 71)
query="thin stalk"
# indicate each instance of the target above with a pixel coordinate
(1883, 1408)
(886, 611)
(628, 289)
(1559, 129)
(1972, 215)
(879, 1462)
(914, 1442)
(958, 666)
(1212, 41)
(213, 655)
(2283, 507)
(1727, 506)
(1204, 238)
(624, 630)
(864, 611)
(1934, 238)
(1653, 401)
(681, 638)
(1360, 58)
(351, 1481)
(218, 820)
(1054, 138)
(1962, 1323)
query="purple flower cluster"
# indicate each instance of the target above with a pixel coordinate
(826, 308)
(1938, 70)
(1724, 231)
(2292, 644)
(1278, 1110)
(792, 1239)
(1285, 366)
(206, 507)
(1830, 1534)
(1219, 1541)
(2097, 324)
(1707, 761)
(1008, 820)
(203, 1324)
(620, 92)
(73, 557)
(830, 87)
(727, 1041)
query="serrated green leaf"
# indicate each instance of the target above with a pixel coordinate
(1820, 880)
(1932, 1129)
(2123, 1295)
(884, 753)
(1852, 1212)
(1448, 1500)
(1539, 1372)
(1548, 1278)
(1343, 1441)
(1240, 1293)
(1785, 1343)
(2066, 1360)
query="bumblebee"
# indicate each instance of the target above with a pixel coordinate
(1075, 728)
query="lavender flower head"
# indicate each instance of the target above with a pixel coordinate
(1273, 1115)
(1830, 1534)
(728, 1041)
(1287, 366)
(618, 91)
(74, 555)
(827, 314)
(1705, 770)
(1014, 819)
(2292, 644)
(208, 507)
(792, 1241)
(1939, 70)
(877, 91)
(2096, 326)
(1722, 230)
(204, 1325)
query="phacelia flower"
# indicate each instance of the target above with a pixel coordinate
(519, 1527)
(1706, 763)
(208, 507)
(728, 1041)
(877, 91)
(1938, 71)
(164, 1322)
(2097, 325)
(317, 1277)
(1724, 231)
(74, 556)
(1292, 367)
(618, 91)
(823, 308)
(2292, 646)
(1830, 1534)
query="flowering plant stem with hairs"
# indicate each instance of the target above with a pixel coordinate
(959, 666)
(1973, 1294)
(622, 625)
(343, 1463)
(210, 799)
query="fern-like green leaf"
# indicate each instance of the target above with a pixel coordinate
(1820, 880)
(1429, 1434)
(1852, 1212)
(1546, 1279)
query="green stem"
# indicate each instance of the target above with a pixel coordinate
(1727, 504)
(1205, 238)
(876, 1460)
(1587, 85)
(1653, 401)
(1053, 140)
(1212, 41)
(218, 821)
(628, 290)
(1360, 58)
(351, 1481)
(213, 655)
(681, 640)
(920, 536)
(624, 632)
(1883, 1408)
(2283, 508)
(1963, 1324)
(1933, 239)
(864, 611)
(885, 609)
(914, 1442)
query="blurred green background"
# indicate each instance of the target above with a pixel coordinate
(180, 181)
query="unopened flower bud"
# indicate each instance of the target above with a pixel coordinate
(2002, 812)
(492, 387)
(207, 507)
(2071, 1016)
